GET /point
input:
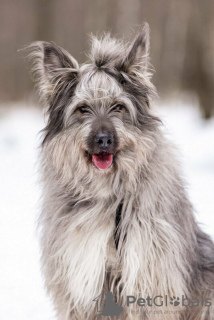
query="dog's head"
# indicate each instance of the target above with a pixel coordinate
(99, 115)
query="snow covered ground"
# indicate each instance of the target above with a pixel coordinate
(21, 287)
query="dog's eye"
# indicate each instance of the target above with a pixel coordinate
(118, 108)
(122, 80)
(83, 109)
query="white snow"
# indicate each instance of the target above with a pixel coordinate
(21, 286)
(21, 289)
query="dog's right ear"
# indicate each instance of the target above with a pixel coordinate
(52, 68)
(137, 56)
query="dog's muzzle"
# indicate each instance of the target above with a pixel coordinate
(103, 141)
(102, 147)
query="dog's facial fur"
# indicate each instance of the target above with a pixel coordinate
(115, 212)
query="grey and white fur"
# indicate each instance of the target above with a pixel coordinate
(128, 229)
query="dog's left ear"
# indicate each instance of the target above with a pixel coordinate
(137, 56)
(52, 68)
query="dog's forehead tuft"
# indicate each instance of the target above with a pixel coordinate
(105, 51)
(97, 84)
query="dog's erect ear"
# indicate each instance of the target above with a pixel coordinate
(137, 56)
(52, 68)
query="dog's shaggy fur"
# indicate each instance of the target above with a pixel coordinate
(129, 229)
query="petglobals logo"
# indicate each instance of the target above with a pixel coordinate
(110, 308)
(160, 301)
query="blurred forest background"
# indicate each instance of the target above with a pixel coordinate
(182, 39)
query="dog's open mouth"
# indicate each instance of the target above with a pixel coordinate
(102, 160)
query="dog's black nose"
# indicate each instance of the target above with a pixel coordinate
(104, 139)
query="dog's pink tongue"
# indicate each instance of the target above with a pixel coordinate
(102, 160)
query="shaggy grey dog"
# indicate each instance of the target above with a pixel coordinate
(116, 217)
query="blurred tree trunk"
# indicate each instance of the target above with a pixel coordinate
(45, 25)
(101, 16)
(128, 17)
(173, 49)
(199, 59)
(69, 26)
